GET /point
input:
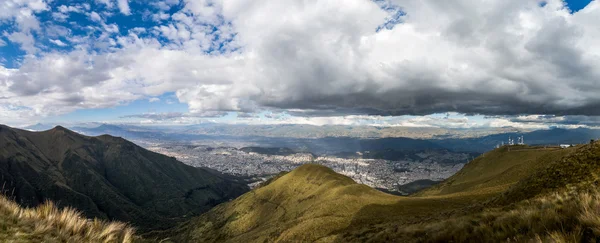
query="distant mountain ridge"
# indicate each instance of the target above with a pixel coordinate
(107, 177)
(554, 136)
(313, 131)
(336, 139)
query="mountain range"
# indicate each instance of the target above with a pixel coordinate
(513, 193)
(336, 140)
(107, 177)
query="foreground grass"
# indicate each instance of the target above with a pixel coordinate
(47, 223)
(567, 216)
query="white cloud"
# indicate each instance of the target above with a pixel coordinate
(108, 3)
(25, 40)
(153, 99)
(60, 17)
(22, 12)
(95, 17)
(67, 9)
(2, 43)
(124, 6)
(469, 56)
(58, 42)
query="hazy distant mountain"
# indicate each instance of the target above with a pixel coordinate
(311, 131)
(107, 177)
(113, 130)
(540, 137)
(39, 127)
(338, 139)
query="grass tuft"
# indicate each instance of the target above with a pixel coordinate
(47, 223)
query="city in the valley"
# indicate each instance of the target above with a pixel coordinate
(377, 173)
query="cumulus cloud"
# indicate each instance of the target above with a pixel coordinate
(25, 40)
(107, 3)
(95, 17)
(330, 58)
(124, 6)
(58, 43)
(22, 12)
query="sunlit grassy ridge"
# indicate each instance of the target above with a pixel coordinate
(580, 168)
(513, 193)
(304, 205)
(497, 170)
(47, 223)
(566, 216)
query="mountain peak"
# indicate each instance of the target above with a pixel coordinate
(59, 128)
(109, 127)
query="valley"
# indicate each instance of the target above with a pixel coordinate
(433, 165)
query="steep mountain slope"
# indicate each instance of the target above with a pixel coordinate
(47, 223)
(518, 193)
(107, 177)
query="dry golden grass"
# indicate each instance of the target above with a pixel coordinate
(497, 170)
(568, 216)
(47, 223)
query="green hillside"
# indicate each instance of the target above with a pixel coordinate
(306, 204)
(497, 170)
(513, 193)
(107, 177)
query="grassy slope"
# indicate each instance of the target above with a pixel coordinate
(558, 201)
(303, 205)
(47, 223)
(487, 198)
(496, 170)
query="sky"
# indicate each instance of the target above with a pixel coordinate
(459, 64)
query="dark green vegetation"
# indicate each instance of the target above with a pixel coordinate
(107, 178)
(517, 193)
